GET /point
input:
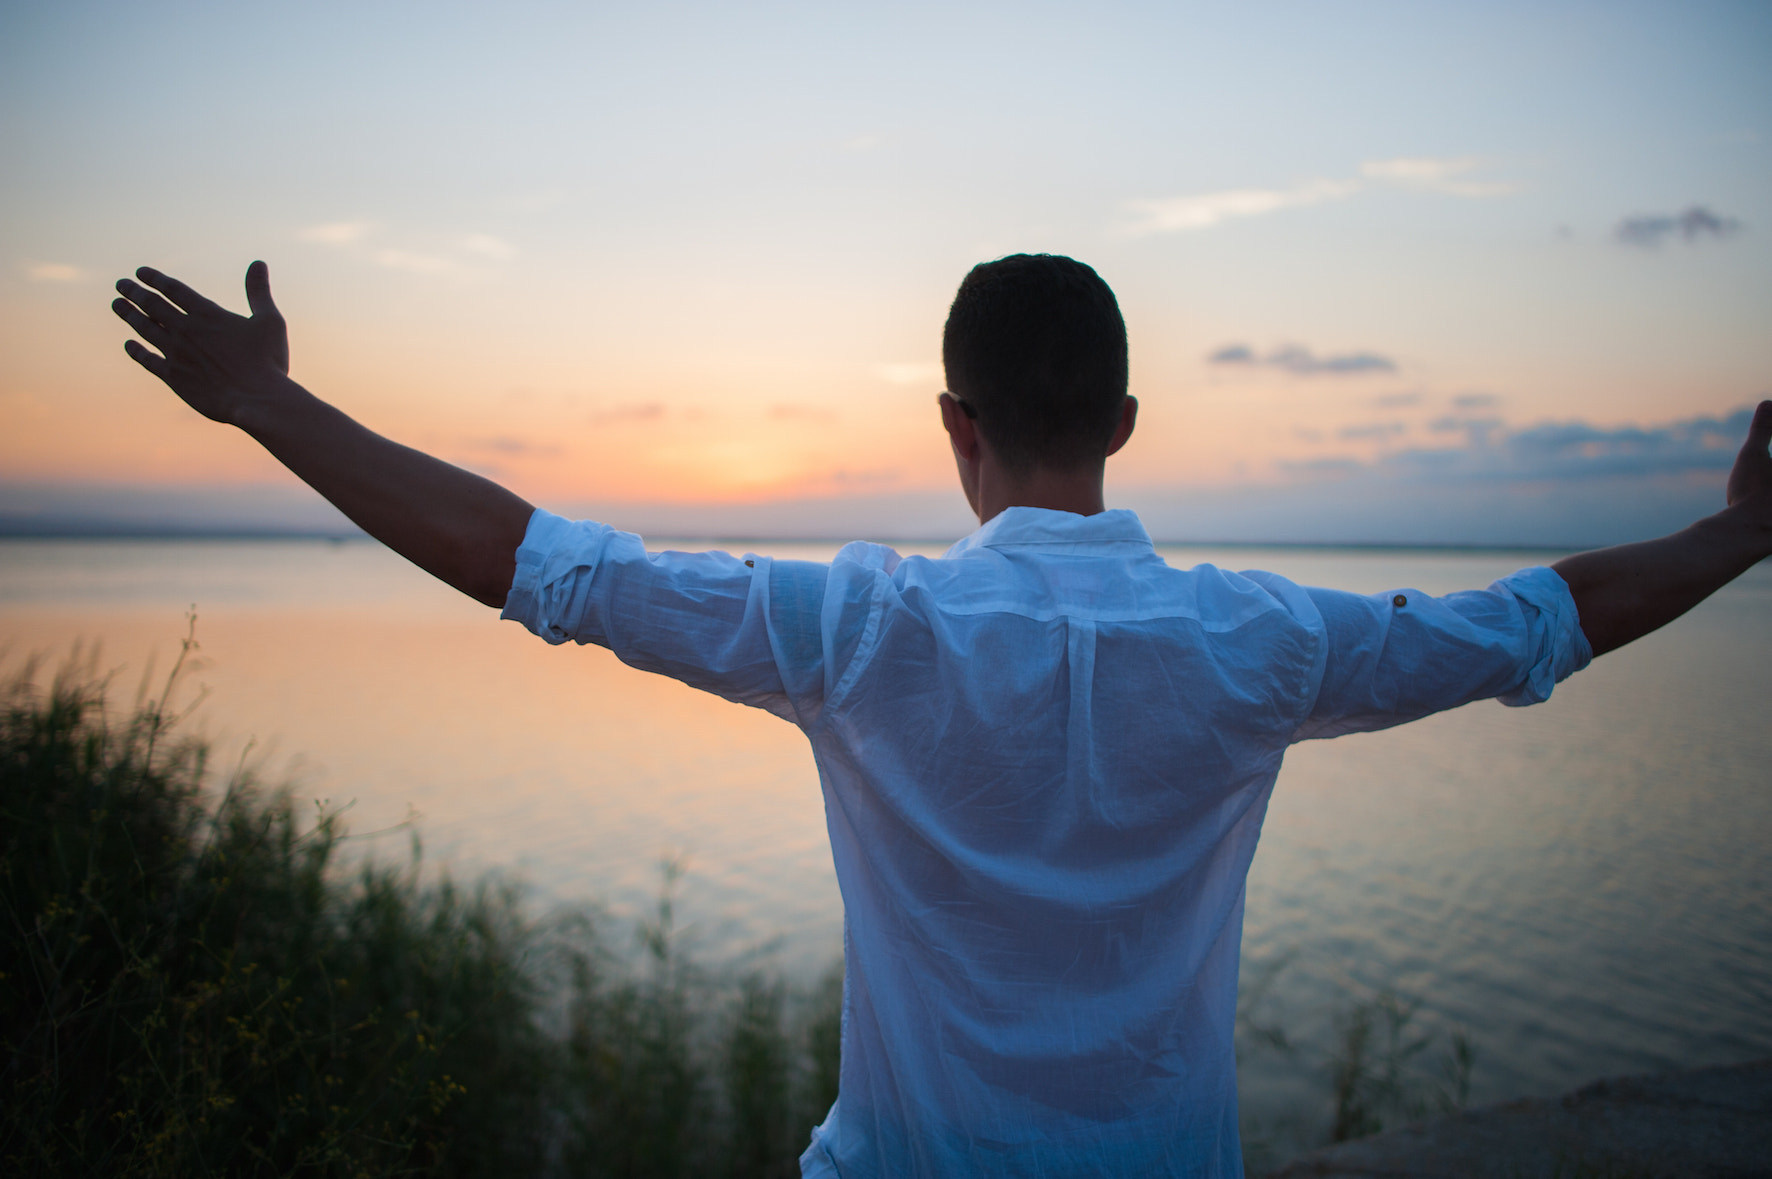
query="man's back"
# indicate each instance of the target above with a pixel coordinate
(1043, 791)
(1045, 761)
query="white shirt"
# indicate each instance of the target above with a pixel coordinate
(1045, 760)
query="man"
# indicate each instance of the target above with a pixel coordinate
(1045, 757)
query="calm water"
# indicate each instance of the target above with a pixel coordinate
(1582, 886)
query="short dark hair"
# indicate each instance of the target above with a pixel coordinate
(1036, 347)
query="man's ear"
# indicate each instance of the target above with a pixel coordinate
(1128, 419)
(962, 430)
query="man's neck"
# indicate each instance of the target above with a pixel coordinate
(991, 487)
(1077, 490)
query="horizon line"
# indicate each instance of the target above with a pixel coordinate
(118, 531)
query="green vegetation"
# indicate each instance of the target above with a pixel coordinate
(1379, 1070)
(1371, 1071)
(192, 982)
(194, 986)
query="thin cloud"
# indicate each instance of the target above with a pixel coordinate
(1446, 175)
(1323, 468)
(1396, 400)
(488, 246)
(1476, 431)
(1649, 232)
(1576, 450)
(1301, 361)
(511, 445)
(1436, 174)
(53, 272)
(909, 373)
(345, 234)
(429, 265)
(1475, 401)
(1573, 452)
(1374, 431)
(336, 233)
(1181, 214)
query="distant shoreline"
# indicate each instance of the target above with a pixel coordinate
(17, 530)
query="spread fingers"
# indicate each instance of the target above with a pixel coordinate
(151, 305)
(149, 330)
(177, 291)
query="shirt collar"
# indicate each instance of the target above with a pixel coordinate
(1022, 527)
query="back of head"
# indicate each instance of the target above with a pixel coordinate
(1036, 346)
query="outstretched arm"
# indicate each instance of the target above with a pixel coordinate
(235, 369)
(1623, 593)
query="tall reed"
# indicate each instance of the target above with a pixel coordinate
(193, 984)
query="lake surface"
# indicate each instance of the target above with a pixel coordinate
(1583, 887)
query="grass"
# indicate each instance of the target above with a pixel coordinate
(194, 982)
(1379, 1069)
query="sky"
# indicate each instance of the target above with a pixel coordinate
(1413, 272)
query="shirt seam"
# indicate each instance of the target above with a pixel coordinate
(864, 655)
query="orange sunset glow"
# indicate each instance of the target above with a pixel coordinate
(709, 274)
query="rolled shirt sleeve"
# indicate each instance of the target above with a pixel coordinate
(702, 618)
(1395, 657)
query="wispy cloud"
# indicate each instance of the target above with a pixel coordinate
(1435, 174)
(1448, 175)
(415, 263)
(1648, 232)
(1396, 400)
(1477, 431)
(509, 444)
(1475, 401)
(53, 272)
(1323, 468)
(487, 246)
(1179, 214)
(909, 373)
(1569, 450)
(348, 234)
(1371, 431)
(336, 233)
(870, 477)
(1301, 361)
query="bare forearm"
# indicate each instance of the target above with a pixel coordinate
(455, 525)
(1623, 593)
(233, 368)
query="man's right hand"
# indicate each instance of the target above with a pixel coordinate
(219, 362)
(454, 524)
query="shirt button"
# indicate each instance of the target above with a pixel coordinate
(1399, 600)
(753, 565)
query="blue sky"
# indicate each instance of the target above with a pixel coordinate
(1391, 271)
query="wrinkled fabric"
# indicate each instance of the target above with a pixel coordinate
(1045, 759)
